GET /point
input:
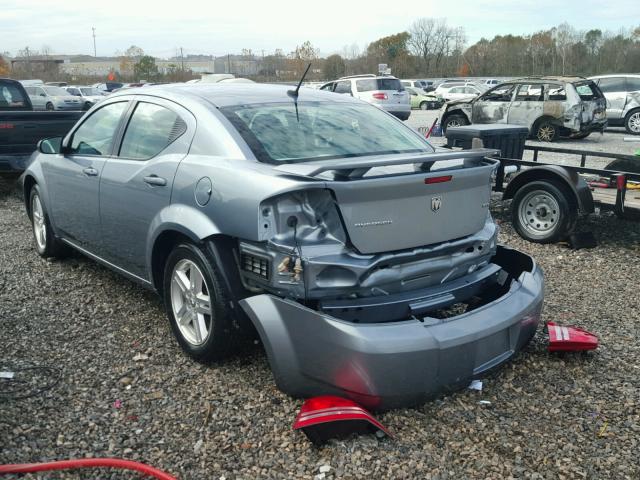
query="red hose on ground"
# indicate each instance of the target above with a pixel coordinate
(86, 463)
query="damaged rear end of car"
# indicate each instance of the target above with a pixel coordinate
(381, 279)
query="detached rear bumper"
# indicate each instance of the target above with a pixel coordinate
(396, 364)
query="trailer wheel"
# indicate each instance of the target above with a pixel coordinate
(544, 211)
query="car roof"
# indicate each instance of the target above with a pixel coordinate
(232, 94)
(609, 75)
(551, 78)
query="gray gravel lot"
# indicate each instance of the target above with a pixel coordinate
(551, 416)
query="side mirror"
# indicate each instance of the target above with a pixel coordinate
(50, 145)
(43, 94)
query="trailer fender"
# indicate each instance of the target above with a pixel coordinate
(572, 180)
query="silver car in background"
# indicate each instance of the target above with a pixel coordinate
(48, 97)
(366, 261)
(88, 95)
(385, 92)
(623, 100)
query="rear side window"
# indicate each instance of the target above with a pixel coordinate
(95, 135)
(151, 129)
(366, 85)
(612, 84)
(633, 84)
(11, 96)
(530, 93)
(557, 92)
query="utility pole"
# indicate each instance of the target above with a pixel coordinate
(94, 41)
(182, 62)
(229, 62)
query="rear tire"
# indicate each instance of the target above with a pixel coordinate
(546, 131)
(455, 120)
(544, 211)
(580, 136)
(632, 122)
(197, 304)
(47, 245)
(424, 105)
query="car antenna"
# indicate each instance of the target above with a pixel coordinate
(294, 93)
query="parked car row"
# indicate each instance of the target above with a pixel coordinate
(623, 100)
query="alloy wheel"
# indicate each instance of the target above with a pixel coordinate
(39, 224)
(546, 133)
(191, 302)
(634, 122)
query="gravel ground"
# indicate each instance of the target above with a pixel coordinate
(550, 416)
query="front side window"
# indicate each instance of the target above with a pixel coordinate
(501, 93)
(151, 129)
(328, 87)
(95, 135)
(276, 133)
(74, 91)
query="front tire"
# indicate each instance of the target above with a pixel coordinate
(47, 245)
(49, 107)
(424, 106)
(632, 122)
(543, 211)
(455, 120)
(197, 304)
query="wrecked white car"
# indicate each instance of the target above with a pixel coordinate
(550, 107)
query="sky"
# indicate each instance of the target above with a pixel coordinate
(218, 27)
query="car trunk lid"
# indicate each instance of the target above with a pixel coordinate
(382, 210)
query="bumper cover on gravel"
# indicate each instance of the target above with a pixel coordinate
(395, 364)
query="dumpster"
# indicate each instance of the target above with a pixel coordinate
(509, 139)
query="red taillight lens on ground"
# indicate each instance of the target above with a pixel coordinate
(570, 339)
(441, 179)
(328, 416)
(380, 95)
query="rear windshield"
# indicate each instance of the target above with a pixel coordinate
(366, 85)
(277, 134)
(11, 97)
(588, 90)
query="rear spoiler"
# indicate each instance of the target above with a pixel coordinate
(347, 168)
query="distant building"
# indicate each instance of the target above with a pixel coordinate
(36, 66)
(240, 65)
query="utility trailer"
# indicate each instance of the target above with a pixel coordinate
(547, 197)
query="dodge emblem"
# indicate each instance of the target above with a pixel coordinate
(436, 203)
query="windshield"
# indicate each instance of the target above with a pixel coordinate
(323, 131)
(56, 91)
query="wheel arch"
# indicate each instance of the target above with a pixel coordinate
(27, 184)
(456, 111)
(629, 113)
(581, 194)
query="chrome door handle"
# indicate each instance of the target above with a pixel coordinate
(90, 171)
(155, 180)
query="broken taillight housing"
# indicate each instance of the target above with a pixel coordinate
(254, 264)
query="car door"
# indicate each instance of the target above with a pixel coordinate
(527, 105)
(493, 106)
(37, 100)
(344, 87)
(73, 176)
(615, 91)
(136, 182)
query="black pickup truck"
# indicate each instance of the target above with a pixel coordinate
(21, 128)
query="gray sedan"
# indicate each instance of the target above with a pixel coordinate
(366, 261)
